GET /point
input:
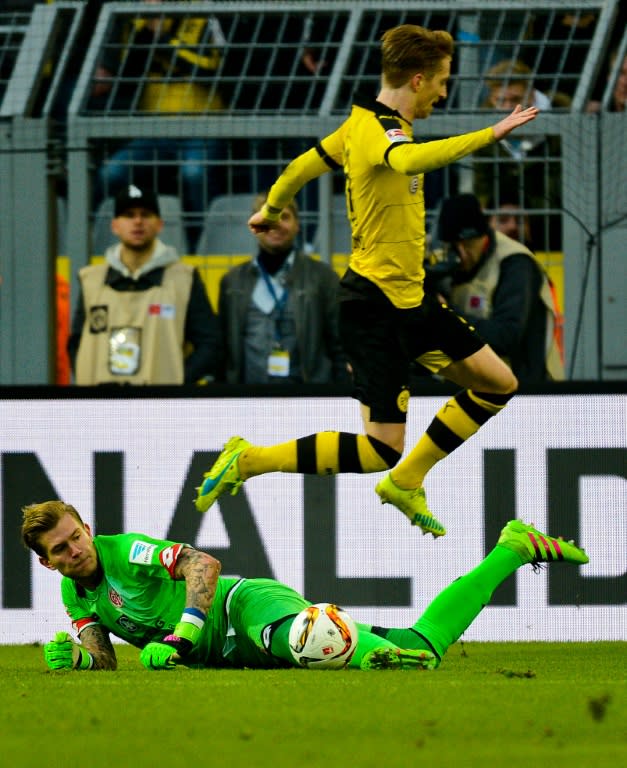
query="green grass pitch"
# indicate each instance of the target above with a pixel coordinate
(489, 704)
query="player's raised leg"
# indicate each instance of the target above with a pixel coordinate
(457, 606)
(323, 453)
(493, 384)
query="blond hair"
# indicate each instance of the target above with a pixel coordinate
(508, 71)
(41, 518)
(409, 49)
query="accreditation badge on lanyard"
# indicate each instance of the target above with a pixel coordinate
(125, 351)
(278, 363)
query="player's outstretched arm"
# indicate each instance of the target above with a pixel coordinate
(515, 119)
(95, 651)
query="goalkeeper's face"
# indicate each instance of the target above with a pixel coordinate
(70, 550)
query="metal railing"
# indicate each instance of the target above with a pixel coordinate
(273, 77)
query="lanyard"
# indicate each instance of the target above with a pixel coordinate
(279, 303)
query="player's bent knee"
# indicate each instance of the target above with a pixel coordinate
(384, 452)
(510, 386)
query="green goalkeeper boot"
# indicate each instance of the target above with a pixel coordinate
(535, 547)
(398, 658)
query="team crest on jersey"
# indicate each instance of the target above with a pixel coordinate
(115, 598)
(141, 552)
(396, 134)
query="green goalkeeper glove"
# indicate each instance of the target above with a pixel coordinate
(158, 656)
(174, 647)
(64, 653)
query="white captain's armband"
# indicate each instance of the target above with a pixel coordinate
(396, 134)
(169, 556)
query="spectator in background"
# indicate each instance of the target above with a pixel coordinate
(511, 219)
(279, 313)
(498, 286)
(525, 164)
(618, 100)
(164, 65)
(139, 310)
(510, 83)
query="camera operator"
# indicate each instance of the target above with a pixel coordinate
(499, 287)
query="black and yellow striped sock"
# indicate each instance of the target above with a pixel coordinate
(323, 453)
(454, 423)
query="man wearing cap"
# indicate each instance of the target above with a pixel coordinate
(497, 285)
(140, 311)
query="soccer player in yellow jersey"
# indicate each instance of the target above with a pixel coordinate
(386, 320)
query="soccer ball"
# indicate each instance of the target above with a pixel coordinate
(323, 636)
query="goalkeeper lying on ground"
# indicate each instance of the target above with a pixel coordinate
(169, 600)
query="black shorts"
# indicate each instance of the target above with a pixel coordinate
(382, 341)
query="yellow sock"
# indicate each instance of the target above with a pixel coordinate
(411, 472)
(323, 453)
(453, 424)
(257, 460)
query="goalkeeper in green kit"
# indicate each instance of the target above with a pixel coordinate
(169, 600)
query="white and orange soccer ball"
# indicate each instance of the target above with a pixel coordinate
(323, 636)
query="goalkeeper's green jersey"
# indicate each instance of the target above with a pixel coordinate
(384, 168)
(138, 599)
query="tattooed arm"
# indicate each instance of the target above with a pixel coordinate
(95, 639)
(93, 652)
(200, 572)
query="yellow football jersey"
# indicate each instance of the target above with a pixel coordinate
(384, 168)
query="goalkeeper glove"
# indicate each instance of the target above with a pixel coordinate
(166, 653)
(161, 655)
(64, 653)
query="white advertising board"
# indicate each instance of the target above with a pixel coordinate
(132, 464)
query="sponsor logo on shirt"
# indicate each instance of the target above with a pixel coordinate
(127, 624)
(396, 134)
(141, 552)
(168, 311)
